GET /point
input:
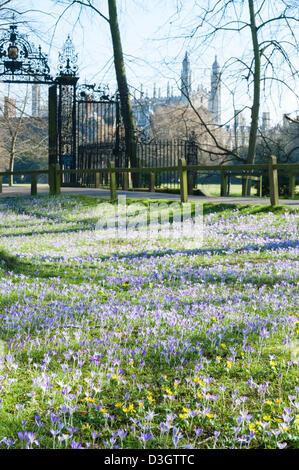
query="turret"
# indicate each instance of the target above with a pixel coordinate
(35, 100)
(186, 78)
(265, 121)
(215, 93)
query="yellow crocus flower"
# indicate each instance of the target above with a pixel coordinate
(267, 418)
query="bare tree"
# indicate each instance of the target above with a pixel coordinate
(3, 4)
(23, 138)
(12, 124)
(295, 121)
(270, 26)
(182, 120)
(120, 70)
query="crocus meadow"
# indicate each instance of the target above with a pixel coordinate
(147, 343)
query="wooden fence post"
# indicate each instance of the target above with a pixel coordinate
(292, 180)
(183, 179)
(112, 181)
(97, 179)
(273, 181)
(152, 182)
(33, 181)
(260, 186)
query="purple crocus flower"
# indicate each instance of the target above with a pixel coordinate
(281, 445)
(31, 438)
(22, 436)
(122, 433)
(7, 442)
(76, 445)
(198, 432)
(38, 422)
(94, 435)
(145, 437)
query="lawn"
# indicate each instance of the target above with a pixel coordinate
(236, 190)
(214, 190)
(147, 343)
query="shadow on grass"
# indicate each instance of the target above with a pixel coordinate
(208, 208)
(47, 270)
(58, 231)
(68, 271)
(42, 271)
(247, 209)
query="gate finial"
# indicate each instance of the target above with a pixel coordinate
(68, 59)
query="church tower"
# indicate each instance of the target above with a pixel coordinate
(186, 78)
(35, 100)
(215, 93)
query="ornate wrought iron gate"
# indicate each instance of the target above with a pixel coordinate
(85, 130)
(84, 122)
(98, 131)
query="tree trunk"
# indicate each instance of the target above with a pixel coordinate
(256, 92)
(126, 106)
(11, 160)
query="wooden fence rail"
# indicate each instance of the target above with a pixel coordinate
(244, 171)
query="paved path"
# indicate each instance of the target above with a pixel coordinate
(25, 191)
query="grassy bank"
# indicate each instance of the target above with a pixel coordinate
(140, 342)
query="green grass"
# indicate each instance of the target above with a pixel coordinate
(158, 315)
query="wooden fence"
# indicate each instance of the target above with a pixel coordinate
(55, 174)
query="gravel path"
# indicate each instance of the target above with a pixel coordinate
(24, 190)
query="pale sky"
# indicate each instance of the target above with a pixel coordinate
(153, 45)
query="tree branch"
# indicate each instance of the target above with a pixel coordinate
(90, 5)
